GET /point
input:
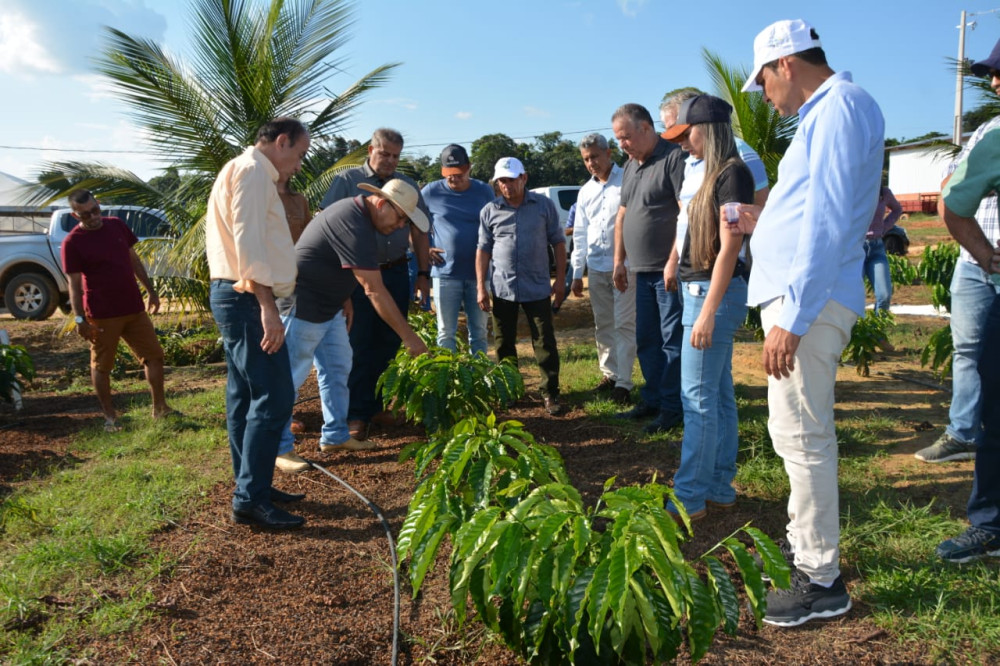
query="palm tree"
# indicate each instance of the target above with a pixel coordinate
(754, 120)
(249, 63)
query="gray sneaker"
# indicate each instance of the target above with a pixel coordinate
(805, 601)
(946, 448)
(972, 544)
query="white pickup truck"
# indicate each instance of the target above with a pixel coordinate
(32, 284)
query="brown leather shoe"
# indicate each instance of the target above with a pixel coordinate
(388, 419)
(621, 396)
(350, 445)
(298, 427)
(357, 430)
(552, 406)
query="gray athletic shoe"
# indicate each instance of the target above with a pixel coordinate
(972, 544)
(946, 448)
(805, 601)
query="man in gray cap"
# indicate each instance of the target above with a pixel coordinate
(454, 203)
(971, 296)
(808, 252)
(373, 341)
(514, 231)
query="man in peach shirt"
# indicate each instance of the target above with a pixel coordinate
(251, 260)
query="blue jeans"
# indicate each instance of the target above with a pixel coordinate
(972, 294)
(259, 393)
(327, 346)
(658, 333)
(876, 269)
(711, 440)
(450, 295)
(984, 502)
(374, 344)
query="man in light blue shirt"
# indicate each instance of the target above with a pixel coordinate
(454, 203)
(594, 246)
(808, 253)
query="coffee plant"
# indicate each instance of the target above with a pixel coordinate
(937, 265)
(559, 581)
(14, 361)
(441, 387)
(901, 271)
(868, 335)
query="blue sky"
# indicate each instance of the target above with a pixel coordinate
(473, 68)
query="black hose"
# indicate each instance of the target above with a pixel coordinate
(392, 554)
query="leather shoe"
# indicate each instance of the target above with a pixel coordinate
(664, 422)
(282, 496)
(267, 516)
(357, 429)
(552, 406)
(350, 445)
(290, 463)
(640, 411)
(621, 395)
(605, 385)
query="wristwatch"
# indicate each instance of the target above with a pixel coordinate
(78, 319)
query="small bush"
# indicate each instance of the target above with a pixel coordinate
(14, 361)
(869, 333)
(902, 271)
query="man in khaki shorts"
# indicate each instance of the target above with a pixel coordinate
(102, 267)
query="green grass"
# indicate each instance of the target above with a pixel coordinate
(75, 554)
(887, 542)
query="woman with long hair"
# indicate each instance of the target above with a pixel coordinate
(712, 280)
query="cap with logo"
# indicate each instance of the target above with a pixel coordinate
(780, 39)
(454, 160)
(697, 110)
(508, 167)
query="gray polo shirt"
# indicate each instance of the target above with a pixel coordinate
(518, 240)
(345, 185)
(649, 195)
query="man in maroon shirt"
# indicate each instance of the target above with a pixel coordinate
(102, 267)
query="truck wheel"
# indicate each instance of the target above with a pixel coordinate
(31, 296)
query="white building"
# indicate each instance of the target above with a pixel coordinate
(916, 171)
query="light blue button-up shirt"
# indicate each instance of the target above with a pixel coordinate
(808, 246)
(594, 225)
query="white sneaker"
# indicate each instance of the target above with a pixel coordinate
(290, 463)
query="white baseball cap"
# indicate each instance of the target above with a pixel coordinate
(508, 167)
(780, 39)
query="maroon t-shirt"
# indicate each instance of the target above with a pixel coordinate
(103, 256)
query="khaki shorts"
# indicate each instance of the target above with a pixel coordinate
(137, 332)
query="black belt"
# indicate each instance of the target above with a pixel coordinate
(395, 262)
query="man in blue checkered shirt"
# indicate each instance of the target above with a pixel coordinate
(972, 294)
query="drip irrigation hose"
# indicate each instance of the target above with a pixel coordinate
(392, 554)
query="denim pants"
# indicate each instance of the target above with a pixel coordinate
(326, 346)
(800, 420)
(543, 337)
(451, 295)
(876, 269)
(658, 334)
(984, 502)
(374, 344)
(259, 393)
(711, 439)
(972, 294)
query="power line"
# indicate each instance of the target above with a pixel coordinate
(418, 145)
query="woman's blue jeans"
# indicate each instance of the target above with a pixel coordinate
(876, 269)
(711, 439)
(259, 393)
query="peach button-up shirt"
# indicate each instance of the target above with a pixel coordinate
(246, 235)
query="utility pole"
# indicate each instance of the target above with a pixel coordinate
(959, 83)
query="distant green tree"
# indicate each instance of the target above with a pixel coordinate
(486, 150)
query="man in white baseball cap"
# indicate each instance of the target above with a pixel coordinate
(512, 270)
(807, 277)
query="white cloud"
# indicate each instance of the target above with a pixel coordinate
(36, 40)
(20, 49)
(535, 112)
(463, 115)
(97, 87)
(630, 8)
(403, 102)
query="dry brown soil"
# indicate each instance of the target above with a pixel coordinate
(324, 595)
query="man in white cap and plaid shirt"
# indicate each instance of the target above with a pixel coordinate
(808, 254)
(512, 270)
